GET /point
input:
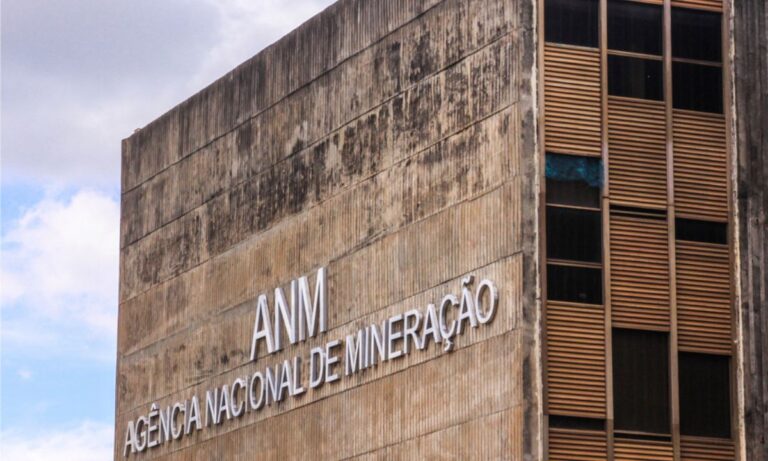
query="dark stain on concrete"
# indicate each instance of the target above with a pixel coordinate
(422, 62)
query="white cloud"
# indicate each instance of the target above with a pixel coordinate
(24, 374)
(102, 69)
(248, 26)
(67, 136)
(60, 272)
(86, 442)
(78, 76)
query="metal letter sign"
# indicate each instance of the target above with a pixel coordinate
(279, 321)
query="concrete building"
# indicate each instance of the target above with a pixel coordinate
(457, 229)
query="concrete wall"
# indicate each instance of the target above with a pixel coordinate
(751, 83)
(391, 141)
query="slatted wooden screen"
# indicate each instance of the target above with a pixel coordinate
(572, 99)
(705, 449)
(715, 5)
(575, 359)
(639, 272)
(637, 140)
(701, 165)
(642, 450)
(639, 277)
(703, 297)
(573, 445)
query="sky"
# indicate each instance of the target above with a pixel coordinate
(77, 77)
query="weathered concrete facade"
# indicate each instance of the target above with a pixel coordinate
(392, 142)
(751, 84)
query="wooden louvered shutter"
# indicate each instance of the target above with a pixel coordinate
(716, 5)
(575, 359)
(706, 449)
(572, 99)
(703, 297)
(577, 445)
(701, 165)
(642, 450)
(637, 152)
(639, 272)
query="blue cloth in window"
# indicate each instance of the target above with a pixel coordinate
(574, 168)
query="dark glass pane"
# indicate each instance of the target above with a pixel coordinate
(574, 234)
(575, 193)
(573, 422)
(575, 284)
(634, 27)
(697, 87)
(574, 180)
(636, 436)
(696, 35)
(637, 211)
(705, 395)
(641, 381)
(635, 78)
(701, 231)
(571, 21)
